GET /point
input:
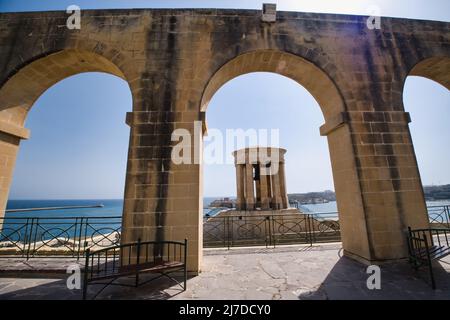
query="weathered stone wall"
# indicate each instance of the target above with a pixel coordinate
(174, 61)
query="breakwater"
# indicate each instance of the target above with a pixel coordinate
(54, 208)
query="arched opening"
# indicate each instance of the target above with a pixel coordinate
(267, 110)
(426, 97)
(323, 90)
(268, 101)
(25, 85)
(79, 142)
(296, 68)
(78, 152)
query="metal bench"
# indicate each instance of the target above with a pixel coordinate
(426, 245)
(132, 259)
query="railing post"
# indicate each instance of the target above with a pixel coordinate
(430, 266)
(86, 270)
(185, 264)
(265, 231)
(30, 238)
(85, 243)
(410, 245)
(309, 228)
(307, 235)
(25, 252)
(230, 232)
(36, 230)
(447, 215)
(271, 239)
(79, 238)
(225, 231)
(138, 253)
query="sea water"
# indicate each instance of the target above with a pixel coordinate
(114, 207)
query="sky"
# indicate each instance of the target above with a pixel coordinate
(60, 161)
(75, 151)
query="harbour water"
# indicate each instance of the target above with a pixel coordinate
(64, 223)
(113, 207)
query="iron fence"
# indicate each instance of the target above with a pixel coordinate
(72, 236)
(270, 230)
(439, 216)
(57, 236)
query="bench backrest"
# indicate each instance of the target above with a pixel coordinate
(132, 257)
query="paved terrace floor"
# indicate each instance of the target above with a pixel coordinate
(294, 272)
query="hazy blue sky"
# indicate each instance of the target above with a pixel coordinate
(62, 161)
(75, 150)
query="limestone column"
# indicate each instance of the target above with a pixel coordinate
(257, 187)
(240, 202)
(10, 136)
(9, 146)
(283, 189)
(276, 195)
(258, 193)
(249, 189)
(264, 185)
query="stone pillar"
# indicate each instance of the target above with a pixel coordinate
(283, 189)
(276, 194)
(10, 136)
(377, 183)
(390, 182)
(249, 188)
(265, 197)
(240, 199)
(258, 191)
(163, 195)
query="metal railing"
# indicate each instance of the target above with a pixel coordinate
(57, 236)
(71, 236)
(270, 230)
(439, 216)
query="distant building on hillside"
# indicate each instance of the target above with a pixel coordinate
(223, 203)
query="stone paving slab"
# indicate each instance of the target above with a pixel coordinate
(37, 265)
(292, 272)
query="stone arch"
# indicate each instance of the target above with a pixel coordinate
(321, 86)
(304, 72)
(435, 68)
(25, 83)
(23, 88)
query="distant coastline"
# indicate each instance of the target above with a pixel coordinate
(441, 192)
(432, 193)
(312, 197)
(310, 202)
